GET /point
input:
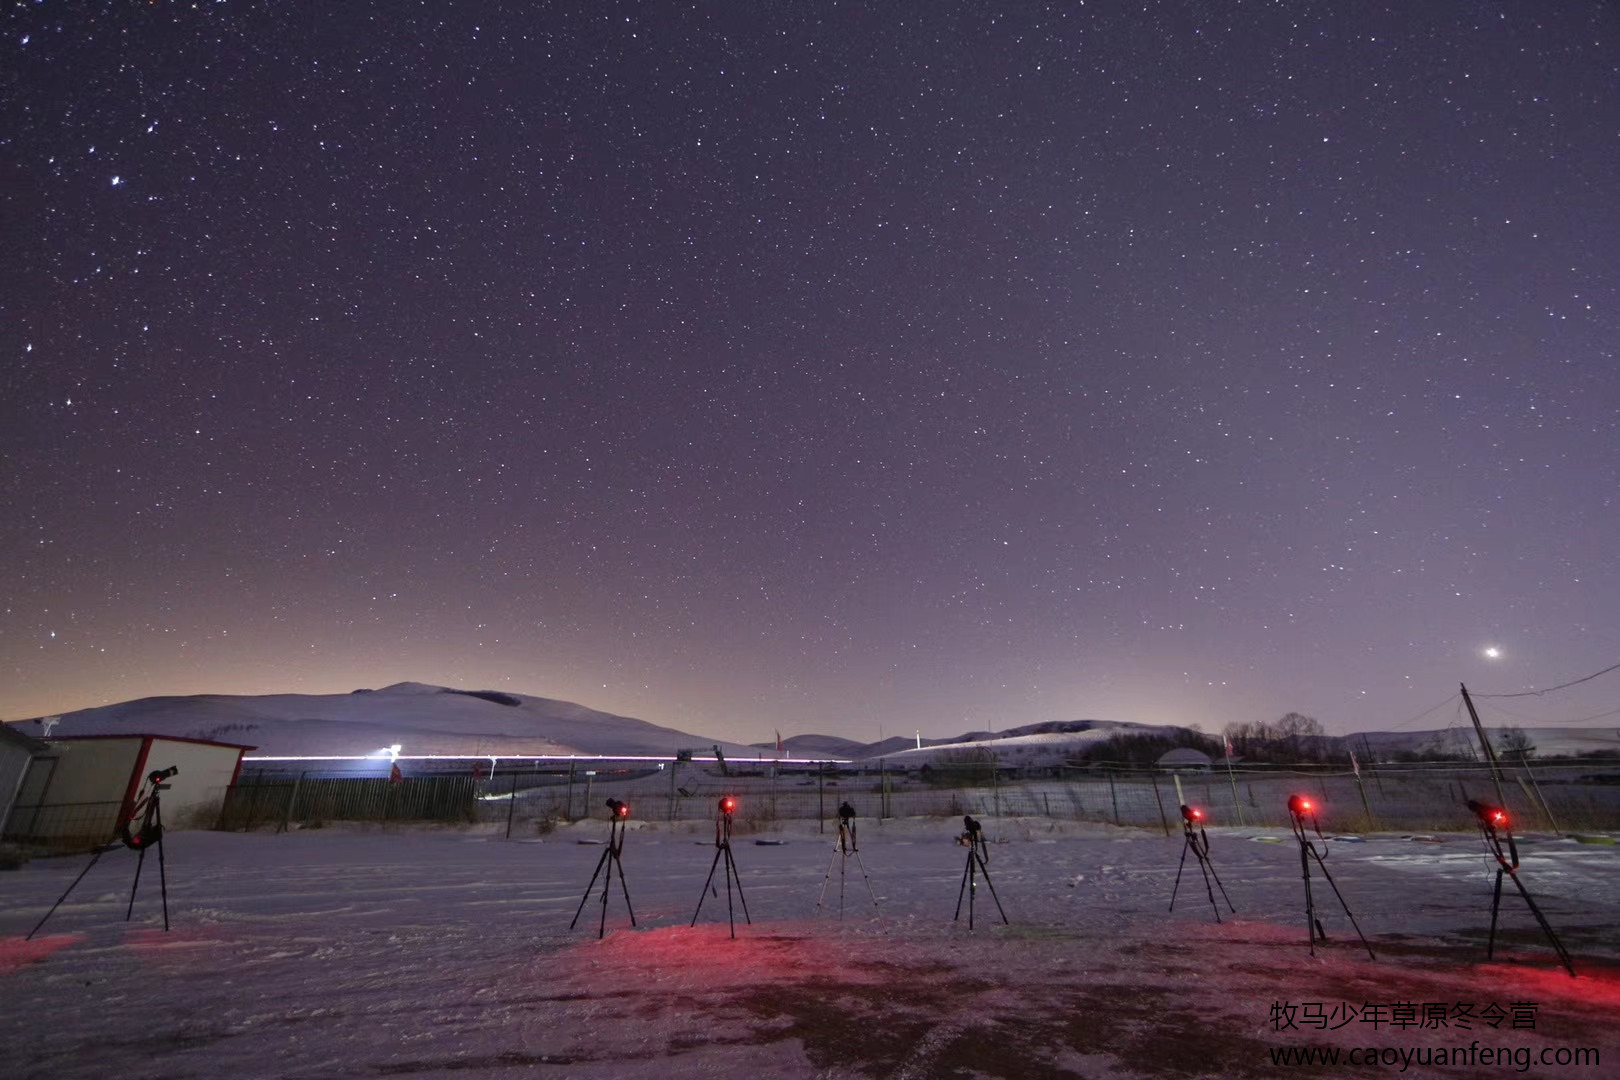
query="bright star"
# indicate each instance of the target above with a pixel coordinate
(1492, 652)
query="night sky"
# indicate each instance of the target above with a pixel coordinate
(848, 368)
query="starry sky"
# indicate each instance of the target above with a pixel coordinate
(854, 368)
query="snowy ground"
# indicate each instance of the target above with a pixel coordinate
(329, 953)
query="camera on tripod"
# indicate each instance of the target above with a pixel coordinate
(618, 823)
(1197, 842)
(728, 805)
(972, 832)
(157, 776)
(846, 813)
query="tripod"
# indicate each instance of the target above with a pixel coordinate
(977, 862)
(1298, 808)
(722, 847)
(610, 859)
(150, 834)
(1198, 844)
(845, 847)
(1490, 818)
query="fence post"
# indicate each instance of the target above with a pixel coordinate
(1524, 762)
(511, 807)
(821, 797)
(1362, 789)
(253, 804)
(286, 817)
(1231, 777)
(1113, 793)
(1160, 800)
(568, 812)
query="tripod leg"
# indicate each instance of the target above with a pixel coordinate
(718, 851)
(731, 916)
(1496, 903)
(607, 887)
(1177, 887)
(1312, 925)
(1346, 907)
(820, 896)
(599, 864)
(163, 883)
(985, 867)
(1221, 887)
(625, 887)
(140, 862)
(843, 872)
(93, 860)
(973, 885)
(868, 877)
(1203, 865)
(732, 864)
(1547, 929)
(966, 870)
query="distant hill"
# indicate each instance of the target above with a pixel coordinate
(1046, 743)
(422, 719)
(812, 746)
(1053, 742)
(426, 719)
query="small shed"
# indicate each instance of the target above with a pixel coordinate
(84, 792)
(17, 753)
(1185, 759)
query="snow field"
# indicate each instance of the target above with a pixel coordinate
(425, 952)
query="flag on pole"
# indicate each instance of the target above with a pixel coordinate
(1355, 766)
(1227, 739)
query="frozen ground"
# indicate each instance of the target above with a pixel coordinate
(330, 953)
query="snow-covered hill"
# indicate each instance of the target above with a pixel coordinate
(421, 719)
(1035, 744)
(426, 719)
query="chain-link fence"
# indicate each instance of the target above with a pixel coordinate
(263, 799)
(63, 826)
(527, 798)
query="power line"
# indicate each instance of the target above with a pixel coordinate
(1535, 722)
(1425, 712)
(1550, 689)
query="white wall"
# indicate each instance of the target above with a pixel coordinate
(205, 773)
(92, 770)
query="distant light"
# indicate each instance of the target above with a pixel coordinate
(1492, 653)
(393, 752)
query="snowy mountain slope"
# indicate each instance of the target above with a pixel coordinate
(422, 719)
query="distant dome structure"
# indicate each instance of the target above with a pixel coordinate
(1185, 758)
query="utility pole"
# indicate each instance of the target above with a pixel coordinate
(1490, 754)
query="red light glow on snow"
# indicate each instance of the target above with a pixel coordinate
(18, 951)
